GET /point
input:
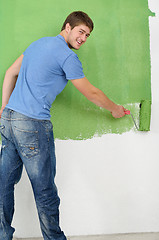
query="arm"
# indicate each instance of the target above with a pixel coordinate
(10, 81)
(96, 96)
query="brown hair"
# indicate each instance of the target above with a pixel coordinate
(76, 18)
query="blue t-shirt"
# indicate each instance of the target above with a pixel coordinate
(47, 65)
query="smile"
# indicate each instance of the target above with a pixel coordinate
(79, 42)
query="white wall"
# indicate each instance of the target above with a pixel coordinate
(108, 184)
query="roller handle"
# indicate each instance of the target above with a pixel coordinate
(127, 112)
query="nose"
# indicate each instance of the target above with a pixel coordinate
(84, 38)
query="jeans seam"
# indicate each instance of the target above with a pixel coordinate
(27, 131)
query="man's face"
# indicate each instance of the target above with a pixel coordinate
(77, 36)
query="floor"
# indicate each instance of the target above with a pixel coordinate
(134, 236)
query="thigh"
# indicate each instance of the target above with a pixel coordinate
(35, 145)
(10, 161)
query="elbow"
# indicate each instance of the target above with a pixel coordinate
(92, 95)
(10, 72)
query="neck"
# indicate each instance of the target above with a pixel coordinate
(63, 34)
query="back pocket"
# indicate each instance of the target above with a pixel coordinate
(27, 141)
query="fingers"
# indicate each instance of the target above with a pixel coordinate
(120, 112)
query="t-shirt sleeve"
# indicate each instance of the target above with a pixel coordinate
(73, 68)
(25, 52)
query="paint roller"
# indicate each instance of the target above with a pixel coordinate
(144, 116)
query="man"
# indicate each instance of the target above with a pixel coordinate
(30, 86)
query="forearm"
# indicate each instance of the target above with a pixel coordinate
(96, 96)
(10, 81)
(8, 86)
(101, 100)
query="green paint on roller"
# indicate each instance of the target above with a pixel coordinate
(116, 58)
(145, 115)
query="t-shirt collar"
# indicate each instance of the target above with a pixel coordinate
(62, 38)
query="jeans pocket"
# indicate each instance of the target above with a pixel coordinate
(27, 142)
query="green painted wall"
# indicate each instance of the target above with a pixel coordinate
(116, 58)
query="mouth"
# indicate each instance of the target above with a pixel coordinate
(79, 42)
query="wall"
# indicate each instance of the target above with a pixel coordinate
(108, 184)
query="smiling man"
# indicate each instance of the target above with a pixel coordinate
(30, 86)
(77, 36)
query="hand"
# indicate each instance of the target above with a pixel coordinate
(118, 112)
(1, 110)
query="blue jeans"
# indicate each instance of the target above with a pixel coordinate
(28, 142)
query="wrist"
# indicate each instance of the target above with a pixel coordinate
(114, 107)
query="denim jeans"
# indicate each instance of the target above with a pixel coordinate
(28, 142)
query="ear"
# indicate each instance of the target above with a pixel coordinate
(67, 28)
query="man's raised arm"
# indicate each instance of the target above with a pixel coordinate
(96, 96)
